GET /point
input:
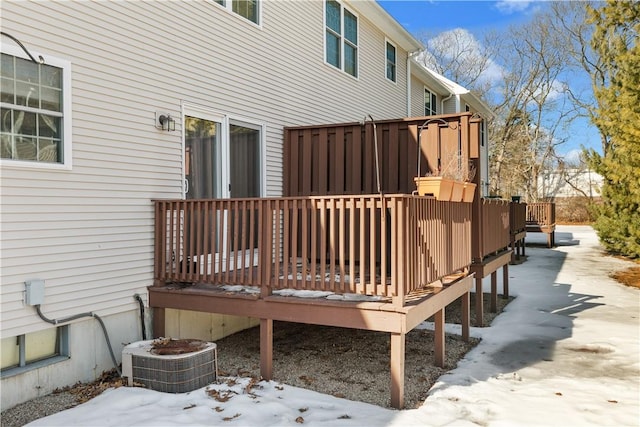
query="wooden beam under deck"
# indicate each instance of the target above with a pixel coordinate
(375, 316)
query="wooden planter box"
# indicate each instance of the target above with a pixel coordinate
(441, 188)
(469, 192)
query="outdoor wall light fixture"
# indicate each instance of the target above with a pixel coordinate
(165, 122)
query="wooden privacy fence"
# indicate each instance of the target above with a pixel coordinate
(313, 243)
(340, 159)
(491, 228)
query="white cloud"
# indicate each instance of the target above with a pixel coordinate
(512, 6)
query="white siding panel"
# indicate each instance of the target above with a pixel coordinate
(88, 232)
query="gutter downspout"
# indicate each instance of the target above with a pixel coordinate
(409, 56)
(443, 101)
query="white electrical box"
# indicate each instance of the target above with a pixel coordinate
(34, 292)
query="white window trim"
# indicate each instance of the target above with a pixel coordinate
(386, 40)
(434, 105)
(65, 65)
(324, 39)
(225, 120)
(262, 127)
(228, 7)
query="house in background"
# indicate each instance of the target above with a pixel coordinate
(569, 183)
(137, 101)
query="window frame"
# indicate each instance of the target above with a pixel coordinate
(66, 118)
(388, 43)
(61, 353)
(433, 102)
(228, 6)
(343, 40)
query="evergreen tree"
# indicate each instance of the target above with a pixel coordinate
(617, 116)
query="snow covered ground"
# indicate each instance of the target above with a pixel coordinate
(565, 352)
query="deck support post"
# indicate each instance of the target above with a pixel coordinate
(505, 281)
(158, 322)
(438, 338)
(466, 315)
(494, 292)
(479, 302)
(266, 348)
(397, 369)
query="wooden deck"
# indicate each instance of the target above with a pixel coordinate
(408, 255)
(541, 218)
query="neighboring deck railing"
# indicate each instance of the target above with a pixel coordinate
(518, 218)
(375, 245)
(541, 214)
(491, 228)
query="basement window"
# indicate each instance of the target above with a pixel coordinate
(34, 350)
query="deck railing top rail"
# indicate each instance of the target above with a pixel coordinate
(384, 246)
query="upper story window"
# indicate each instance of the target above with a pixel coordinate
(391, 62)
(429, 103)
(341, 41)
(35, 111)
(248, 9)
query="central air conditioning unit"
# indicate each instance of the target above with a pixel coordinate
(170, 365)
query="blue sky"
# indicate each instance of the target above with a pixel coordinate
(476, 16)
(433, 17)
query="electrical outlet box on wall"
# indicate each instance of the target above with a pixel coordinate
(34, 292)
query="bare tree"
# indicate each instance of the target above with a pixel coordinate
(459, 56)
(532, 107)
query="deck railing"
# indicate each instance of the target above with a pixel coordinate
(541, 214)
(375, 245)
(518, 217)
(491, 228)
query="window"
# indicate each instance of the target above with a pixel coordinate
(341, 38)
(429, 103)
(35, 111)
(248, 9)
(34, 350)
(391, 62)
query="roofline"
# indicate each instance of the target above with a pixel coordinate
(454, 88)
(371, 10)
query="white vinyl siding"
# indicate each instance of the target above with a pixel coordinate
(89, 232)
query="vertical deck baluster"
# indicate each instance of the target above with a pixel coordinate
(228, 240)
(206, 242)
(352, 244)
(382, 288)
(361, 260)
(341, 244)
(304, 250)
(332, 244)
(285, 243)
(372, 244)
(252, 244)
(295, 214)
(323, 243)
(314, 242)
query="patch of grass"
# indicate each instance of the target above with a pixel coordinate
(628, 277)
